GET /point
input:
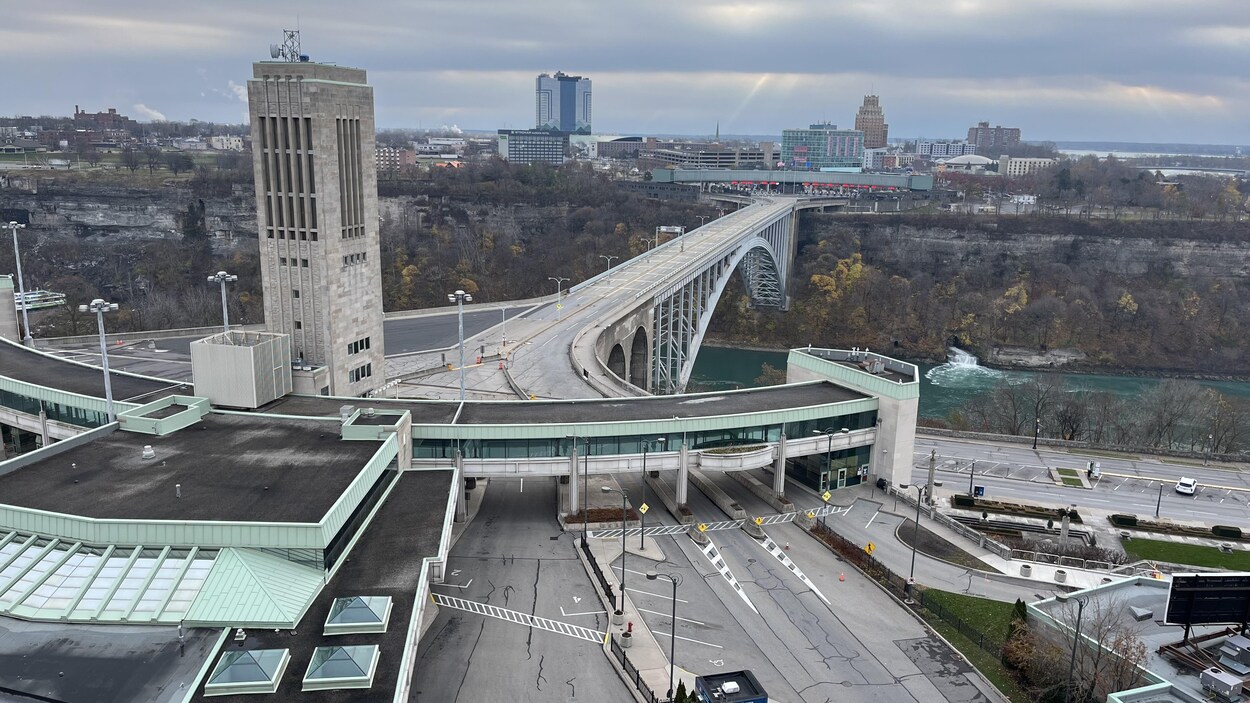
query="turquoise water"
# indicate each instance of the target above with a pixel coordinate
(943, 387)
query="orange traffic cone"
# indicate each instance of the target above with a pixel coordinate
(787, 546)
(842, 576)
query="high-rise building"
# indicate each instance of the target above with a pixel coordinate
(317, 214)
(871, 121)
(562, 103)
(991, 141)
(823, 147)
(944, 150)
(530, 146)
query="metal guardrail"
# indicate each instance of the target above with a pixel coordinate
(1000, 549)
(1060, 560)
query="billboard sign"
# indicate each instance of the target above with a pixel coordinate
(1209, 599)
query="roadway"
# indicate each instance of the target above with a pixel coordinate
(1129, 483)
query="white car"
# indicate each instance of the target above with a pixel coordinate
(1187, 485)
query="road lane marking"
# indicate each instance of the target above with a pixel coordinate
(654, 595)
(669, 615)
(669, 634)
(592, 612)
(519, 618)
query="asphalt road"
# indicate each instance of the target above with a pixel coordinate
(1129, 484)
(412, 334)
(514, 556)
(862, 647)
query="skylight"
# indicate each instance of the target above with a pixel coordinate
(341, 667)
(251, 671)
(358, 614)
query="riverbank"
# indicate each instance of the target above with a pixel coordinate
(1019, 361)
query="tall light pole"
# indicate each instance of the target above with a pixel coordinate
(223, 278)
(642, 535)
(911, 578)
(624, 501)
(1076, 638)
(503, 320)
(585, 485)
(675, 579)
(99, 307)
(21, 285)
(828, 432)
(1037, 428)
(702, 219)
(559, 305)
(1210, 447)
(972, 472)
(460, 298)
(609, 260)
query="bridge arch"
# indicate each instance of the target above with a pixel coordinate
(616, 362)
(638, 359)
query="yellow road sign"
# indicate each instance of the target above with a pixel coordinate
(703, 527)
(826, 496)
(643, 508)
(870, 548)
(811, 515)
(759, 521)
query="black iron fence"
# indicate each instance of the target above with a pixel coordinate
(896, 584)
(604, 584)
(632, 673)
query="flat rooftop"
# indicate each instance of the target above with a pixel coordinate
(101, 663)
(22, 364)
(513, 412)
(386, 561)
(231, 467)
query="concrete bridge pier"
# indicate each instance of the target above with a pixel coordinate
(574, 486)
(683, 475)
(779, 468)
(462, 508)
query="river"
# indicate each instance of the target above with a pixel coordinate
(943, 387)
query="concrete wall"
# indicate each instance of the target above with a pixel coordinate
(622, 332)
(8, 311)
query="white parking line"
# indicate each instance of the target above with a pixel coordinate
(640, 573)
(669, 615)
(669, 634)
(657, 595)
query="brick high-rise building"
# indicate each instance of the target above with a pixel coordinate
(871, 121)
(317, 215)
(990, 141)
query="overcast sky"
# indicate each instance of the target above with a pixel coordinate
(1110, 70)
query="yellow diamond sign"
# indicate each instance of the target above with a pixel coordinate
(811, 515)
(643, 508)
(759, 521)
(870, 548)
(826, 496)
(703, 527)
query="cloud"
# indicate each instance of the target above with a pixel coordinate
(144, 112)
(239, 91)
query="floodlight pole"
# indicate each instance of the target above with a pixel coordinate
(559, 280)
(1076, 639)
(223, 278)
(99, 307)
(460, 298)
(27, 339)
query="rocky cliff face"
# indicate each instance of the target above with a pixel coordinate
(97, 211)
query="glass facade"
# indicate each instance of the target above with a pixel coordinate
(67, 414)
(632, 444)
(822, 146)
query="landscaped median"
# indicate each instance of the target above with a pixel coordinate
(1189, 554)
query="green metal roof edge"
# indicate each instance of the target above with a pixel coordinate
(206, 666)
(218, 598)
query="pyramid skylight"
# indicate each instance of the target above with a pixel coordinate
(249, 671)
(358, 614)
(341, 667)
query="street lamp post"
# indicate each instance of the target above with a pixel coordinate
(1210, 447)
(21, 285)
(642, 535)
(972, 473)
(1076, 638)
(702, 219)
(1037, 429)
(585, 486)
(828, 432)
(559, 305)
(674, 579)
(609, 260)
(911, 578)
(460, 298)
(503, 321)
(624, 502)
(99, 307)
(223, 278)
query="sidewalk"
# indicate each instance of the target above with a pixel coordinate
(646, 654)
(1001, 579)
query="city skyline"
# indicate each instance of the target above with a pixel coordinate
(1067, 71)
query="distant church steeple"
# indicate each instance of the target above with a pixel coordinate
(718, 130)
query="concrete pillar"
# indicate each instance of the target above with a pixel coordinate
(779, 468)
(43, 427)
(574, 485)
(683, 475)
(462, 510)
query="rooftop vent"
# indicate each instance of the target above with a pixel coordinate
(148, 452)
(345, 413)
(369, 412)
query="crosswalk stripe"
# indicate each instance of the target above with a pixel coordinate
(515, 616)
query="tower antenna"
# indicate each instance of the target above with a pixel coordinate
(289, 49)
